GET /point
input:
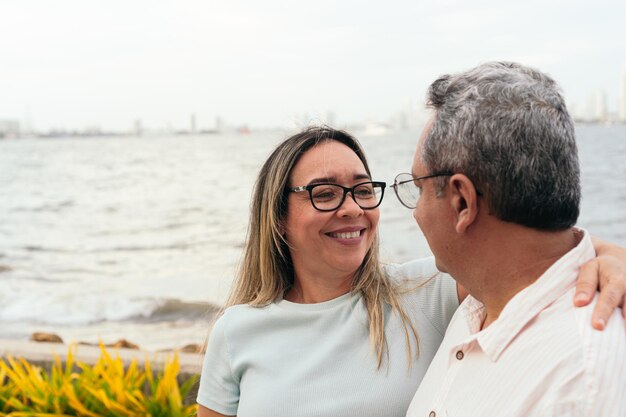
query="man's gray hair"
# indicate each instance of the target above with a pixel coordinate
(506, 127)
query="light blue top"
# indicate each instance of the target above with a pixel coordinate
(289, 359)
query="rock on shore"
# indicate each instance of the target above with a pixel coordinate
(42, 337)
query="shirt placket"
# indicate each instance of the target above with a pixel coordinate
(456, 355)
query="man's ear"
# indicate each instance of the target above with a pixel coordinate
(464, 200)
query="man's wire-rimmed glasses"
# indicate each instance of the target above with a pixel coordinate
(329, 197)
(409, 188)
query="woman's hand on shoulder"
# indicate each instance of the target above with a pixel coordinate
(605, 273)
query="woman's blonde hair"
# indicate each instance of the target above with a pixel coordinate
(266, 271)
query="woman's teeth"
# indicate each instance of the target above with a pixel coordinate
(346, 235)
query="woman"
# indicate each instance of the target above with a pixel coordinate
(314, 326)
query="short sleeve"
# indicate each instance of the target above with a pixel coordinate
(219, 389)
(435, 292)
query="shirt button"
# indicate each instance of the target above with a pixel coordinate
(432, 414)
(459, 355)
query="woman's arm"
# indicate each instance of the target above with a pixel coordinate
(205, 412)
(219, 387)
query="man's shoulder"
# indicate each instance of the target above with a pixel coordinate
(601, 344)
(566, 331)
(579, 319)
(559, 339)
(562, 317)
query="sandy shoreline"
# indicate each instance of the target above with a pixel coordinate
(43, 354)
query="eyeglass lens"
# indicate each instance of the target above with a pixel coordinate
(329, 196)
(407, 190)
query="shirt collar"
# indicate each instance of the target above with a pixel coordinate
(528, 303)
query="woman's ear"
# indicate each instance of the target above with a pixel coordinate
(464, 199)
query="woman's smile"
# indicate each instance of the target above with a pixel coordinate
(348, 235)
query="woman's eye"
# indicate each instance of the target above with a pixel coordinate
(364, 193)
(325, 194)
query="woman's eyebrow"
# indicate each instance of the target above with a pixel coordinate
(361, 177)
(333, 179)
(322, 180)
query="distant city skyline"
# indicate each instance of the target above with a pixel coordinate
(72, 65)
(622, 107)
(596, 108)
(411, 117)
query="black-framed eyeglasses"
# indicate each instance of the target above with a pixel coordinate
(329, 197)
(408, 188)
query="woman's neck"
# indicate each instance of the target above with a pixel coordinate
(317, 290)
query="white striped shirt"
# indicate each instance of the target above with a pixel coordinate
(541, 357)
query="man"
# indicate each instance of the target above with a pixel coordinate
(498, 173)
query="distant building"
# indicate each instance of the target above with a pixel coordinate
(137, 128)
(93, 130)
(596, 107)
(622, 96)
(9, 128)
(192, 128)
(219, 124)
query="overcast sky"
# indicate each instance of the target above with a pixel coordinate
(81, 63)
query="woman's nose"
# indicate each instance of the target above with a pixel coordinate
(349, 207)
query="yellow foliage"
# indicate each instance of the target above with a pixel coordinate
(105, 389)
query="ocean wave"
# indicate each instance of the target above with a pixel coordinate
(65, 309)
(55, 207)
(173, 309)
(39, 248)
(115, 249)
(129, 232)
